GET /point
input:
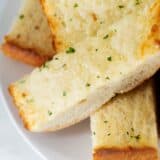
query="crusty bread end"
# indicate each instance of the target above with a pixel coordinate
(27, 56)
(126, 154)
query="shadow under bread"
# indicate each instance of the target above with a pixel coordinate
(157, 97)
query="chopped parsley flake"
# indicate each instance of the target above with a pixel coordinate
(120, 6)
(137, 137)
(101, 22)
(50, 113)
(75, 5)
(94, 133)
(132, 136)
(64, 93)
(109, 58)
(108, 134)
(105, 121)
(98, 76)
(88, 85)
(56, 58)
(21, 16)
(70, 50)
(137, 2)
(107, 78)
(96, 49)
(106, 36)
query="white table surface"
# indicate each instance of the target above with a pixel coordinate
(12, 146)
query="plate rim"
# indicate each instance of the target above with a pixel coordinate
(17, 127)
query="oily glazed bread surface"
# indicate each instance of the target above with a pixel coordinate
(30, 36)
(87, 74)
(125, 128)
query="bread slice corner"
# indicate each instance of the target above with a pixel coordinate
(30, 39)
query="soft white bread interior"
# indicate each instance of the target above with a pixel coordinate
(30, 38)
(125, 128)
(120, 55)
(104, 22)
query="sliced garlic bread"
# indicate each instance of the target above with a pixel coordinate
(90, 71)
(125, 128)
(30, 38)
(103, 22)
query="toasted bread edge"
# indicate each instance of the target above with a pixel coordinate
(145, 153)
(28, 56)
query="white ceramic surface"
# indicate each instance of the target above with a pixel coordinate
(73, 143)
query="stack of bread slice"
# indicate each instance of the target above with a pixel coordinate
(102, 48)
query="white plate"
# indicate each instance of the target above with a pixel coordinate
(73, 143)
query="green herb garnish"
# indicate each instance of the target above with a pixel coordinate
(75, 5)
(50, 113)
(137, 137)
(94, 133)
(21, 16)
(70, 50)
(120, 6)
(101, 22)
(106, 36)
(109, 58)
(107, 78)
(88, 85)
(137, 2)
(105, 121)
(64, 93)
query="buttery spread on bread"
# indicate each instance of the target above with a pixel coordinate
(102, 54)
(125, 124)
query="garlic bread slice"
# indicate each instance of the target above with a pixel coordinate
(30, 39)
(125, 128)
(89, 71)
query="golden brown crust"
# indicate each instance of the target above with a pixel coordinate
(27, 56)
(21, 113)
(126, 154)
(58, 45)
